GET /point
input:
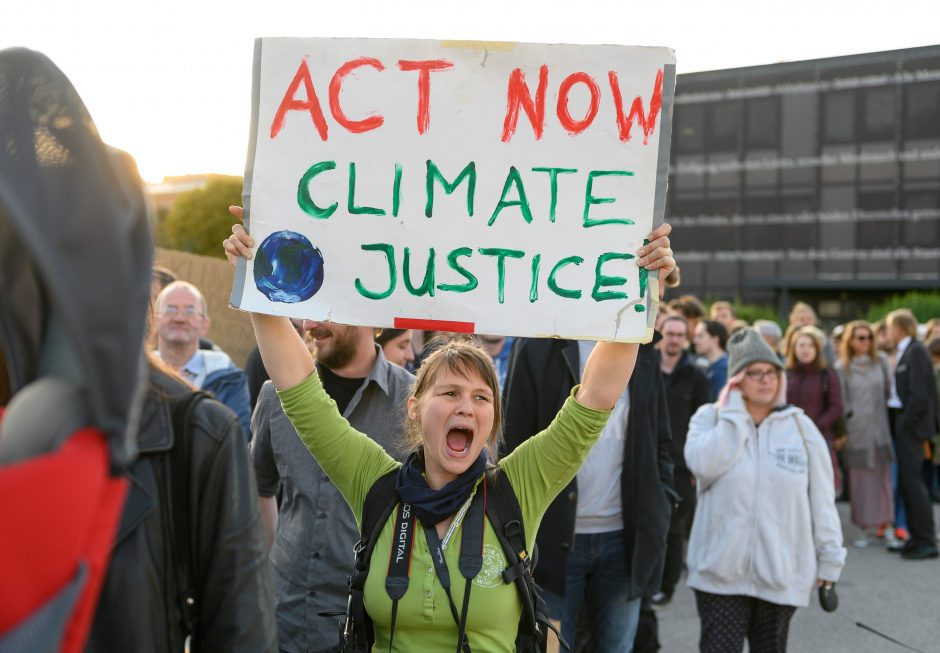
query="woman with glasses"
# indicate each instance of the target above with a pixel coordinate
(766, 529)
(866, 385)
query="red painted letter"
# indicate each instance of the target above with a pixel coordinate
(648, 121)
(424, 86)
(336, 85)
(289, 103)
(519, 95)
(577, 126)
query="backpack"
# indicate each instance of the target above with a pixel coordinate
(176, 491)
(505, 516)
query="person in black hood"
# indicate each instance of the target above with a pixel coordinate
(75, 252)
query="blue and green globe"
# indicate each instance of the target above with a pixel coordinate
(288, 268)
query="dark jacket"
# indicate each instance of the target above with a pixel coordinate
(687, 388)
(139, 606)
(917, 390)
(805, 390)
(541, 375)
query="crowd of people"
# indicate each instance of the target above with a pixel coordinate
(870, 389)
(723, 457)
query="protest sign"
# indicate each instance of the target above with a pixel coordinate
(494, 188)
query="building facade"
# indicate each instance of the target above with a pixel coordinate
(816, 180)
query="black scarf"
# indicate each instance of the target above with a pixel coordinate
(433, 506)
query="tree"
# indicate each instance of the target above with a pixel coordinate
(199, 220)
(924, 305)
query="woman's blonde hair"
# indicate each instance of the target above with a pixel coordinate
(802, 307)
(819, 340)
(845, 344)
(460, 355)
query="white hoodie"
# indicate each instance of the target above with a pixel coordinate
(766, 523)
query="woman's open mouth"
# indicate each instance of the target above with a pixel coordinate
(458, 441)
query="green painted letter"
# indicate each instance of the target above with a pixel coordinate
(512, 179)
(470, 171)
(396, 190)
(553, 285)
(501, 255)
(427, 286)
(305, 201)
(466, 274)
(601, 280)
(351, 197)
(392, 272)
(589, 198)
(534, 287)
(553, 180)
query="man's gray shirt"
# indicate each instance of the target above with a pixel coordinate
(312, 554)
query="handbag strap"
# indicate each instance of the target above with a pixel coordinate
(799, 428)
(886, 372)
(809, 475)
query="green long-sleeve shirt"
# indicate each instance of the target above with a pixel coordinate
(537, 471)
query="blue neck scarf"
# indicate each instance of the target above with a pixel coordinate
(433, 506)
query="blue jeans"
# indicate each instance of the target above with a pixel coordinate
(597, 574)
(900, 518)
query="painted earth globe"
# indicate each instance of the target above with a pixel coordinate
(288, 268)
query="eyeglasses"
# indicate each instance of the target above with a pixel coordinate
(861, 336)
(185, 311)
(760, 375)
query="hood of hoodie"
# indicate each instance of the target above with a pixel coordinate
(75, 248)
(216, 361)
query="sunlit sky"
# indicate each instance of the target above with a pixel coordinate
(170, 81)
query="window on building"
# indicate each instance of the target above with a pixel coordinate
(684, 208)
(874, 234)
(725, 124)
(763, 122)
(762, 205)
(922, 228)
(689, 131)
(880, 119)
(921, 110)
(837, 198)
(839, 117)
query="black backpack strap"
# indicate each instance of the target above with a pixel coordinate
(357, 633)
(505, 515)
(183, 536)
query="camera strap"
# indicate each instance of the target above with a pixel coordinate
(399, 561)
(470, 561)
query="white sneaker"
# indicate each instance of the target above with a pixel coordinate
(861, 542)
(890, 539)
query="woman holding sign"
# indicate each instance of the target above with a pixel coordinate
(432, 584)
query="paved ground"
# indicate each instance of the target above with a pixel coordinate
(897, 597)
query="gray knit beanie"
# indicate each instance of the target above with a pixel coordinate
(745, 346)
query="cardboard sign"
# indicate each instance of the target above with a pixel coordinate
(494, 188)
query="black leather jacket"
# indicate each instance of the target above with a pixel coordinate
(139, 606)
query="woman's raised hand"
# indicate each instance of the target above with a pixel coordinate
(284, 353)
(657, 254)
(239, 244)
(732, 384)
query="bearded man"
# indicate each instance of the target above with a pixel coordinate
(311, 534)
